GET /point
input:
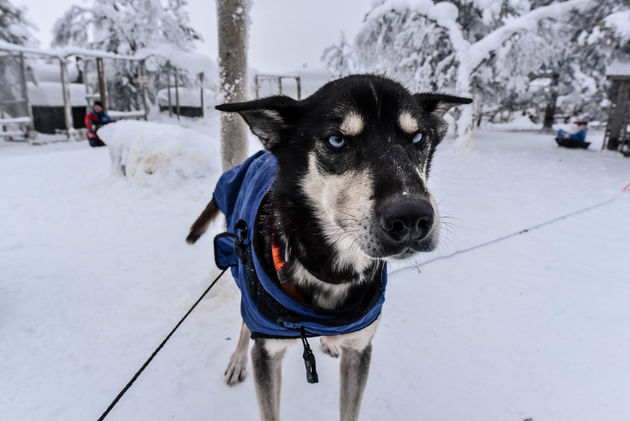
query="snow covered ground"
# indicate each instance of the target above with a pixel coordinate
(95, 272)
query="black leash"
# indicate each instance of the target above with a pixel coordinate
(135, 376)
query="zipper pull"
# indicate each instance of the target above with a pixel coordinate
(309, 360)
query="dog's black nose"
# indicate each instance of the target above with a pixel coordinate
(406, 220)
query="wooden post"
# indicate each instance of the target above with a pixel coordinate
(168, 85)
(87, 86)
(233, 20)
(256, 87)
(100, 69)
(299, 88)
(27, 103)
(143, 73)
(203, 110)
(280, 85)
(177, 95)
(65, 92)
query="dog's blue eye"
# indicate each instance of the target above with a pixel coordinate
(418, 138)
(336, 142)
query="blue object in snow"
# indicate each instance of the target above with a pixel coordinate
(580, 135)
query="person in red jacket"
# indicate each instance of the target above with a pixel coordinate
(94, 120)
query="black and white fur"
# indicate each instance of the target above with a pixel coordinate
(351, 192)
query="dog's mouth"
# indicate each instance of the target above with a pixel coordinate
(407, 253)
(409, 250)
(383, 249)
(422, 247)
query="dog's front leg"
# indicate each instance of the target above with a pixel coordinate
(354, 368)
(237, 367)
(267, 366)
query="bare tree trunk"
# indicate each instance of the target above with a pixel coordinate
(233, 21)
(465, 121)
(550, 109)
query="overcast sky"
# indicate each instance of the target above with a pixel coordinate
(284, 36)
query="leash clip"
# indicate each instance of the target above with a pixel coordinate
(309, 360)
(224, 249)
(240, 228)
(240, 240)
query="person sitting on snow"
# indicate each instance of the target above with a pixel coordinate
(576, 132)
(94, 120)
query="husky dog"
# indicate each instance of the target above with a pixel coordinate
(350, 193)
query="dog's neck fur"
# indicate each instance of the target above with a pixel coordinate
(312, 264)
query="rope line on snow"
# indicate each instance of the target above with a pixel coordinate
(146, 363)
(514, 234)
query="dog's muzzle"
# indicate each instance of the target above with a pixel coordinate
(406, 223)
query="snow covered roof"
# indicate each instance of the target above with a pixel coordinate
(188, 60)
(618, 69)
(49, 71)
(49, 94)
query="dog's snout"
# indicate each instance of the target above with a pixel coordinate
(406, 220)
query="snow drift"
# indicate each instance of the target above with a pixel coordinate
(154, 154)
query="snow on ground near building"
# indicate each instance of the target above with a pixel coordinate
(95, 273)
(159, 155)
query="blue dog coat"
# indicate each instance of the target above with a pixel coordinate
(266, 309)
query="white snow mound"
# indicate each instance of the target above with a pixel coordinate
(155, 154)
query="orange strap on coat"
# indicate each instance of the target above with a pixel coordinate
(276, 253)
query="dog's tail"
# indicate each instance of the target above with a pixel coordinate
(203, 222)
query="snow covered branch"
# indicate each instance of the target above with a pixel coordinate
(481, 49)
(473, 29)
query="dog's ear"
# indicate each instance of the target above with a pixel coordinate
(266, 117)
(439, 104)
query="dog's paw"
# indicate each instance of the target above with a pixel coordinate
(329, 347)
(236, 370)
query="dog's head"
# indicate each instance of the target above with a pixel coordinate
(357, 155)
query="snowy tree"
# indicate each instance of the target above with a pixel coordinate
(559, 64)
(15, 28)
(593, 41)
(125, 27)
(394, 44)
(338, 58)
(233, 22)
(444, 45)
